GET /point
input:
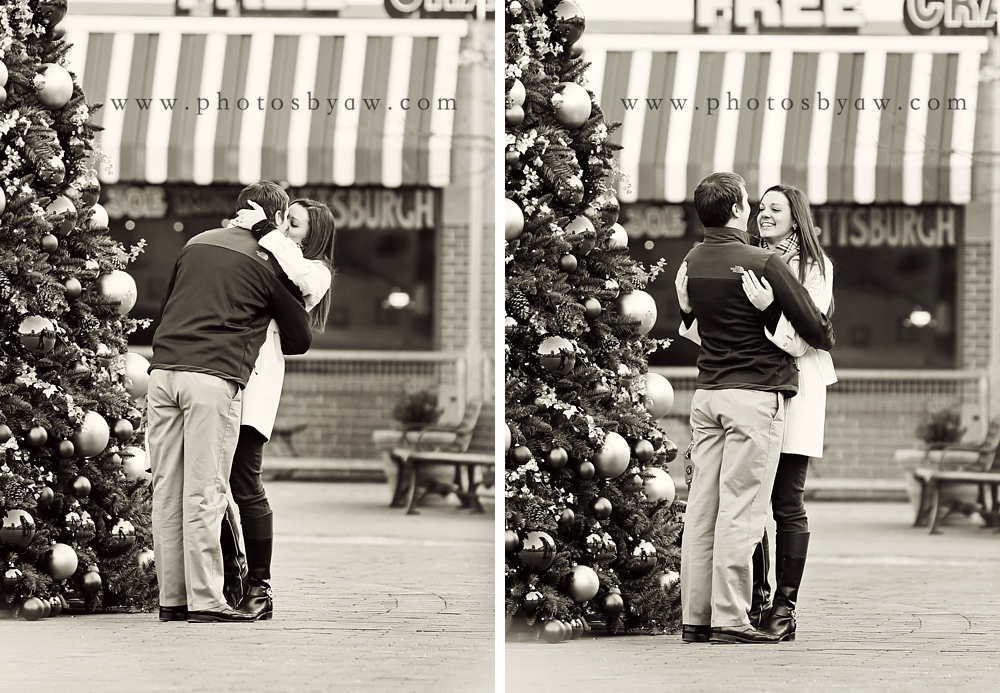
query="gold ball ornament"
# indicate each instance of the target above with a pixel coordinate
(667, 580)
(567, 518)
(552, 632)
(93, 435)
(513, 220)
(135, 465)
(122, 430)
(619, 237)
(612, 606)
(61, 562)
(18, 528)
(659, 395)
(568, 263)
(592, 309)
(90, 583)
(37, 436)
(45, 496)
(556, 459)
(556, 355)
(669, 450)
(80, 486)
(120, 286)
(506, 438)
(643, 451)
(512, 542)
(5, 433)
(99, 220)
(576, 106)
(49, 243)
(55, 86)
(601, 508)
(146, 558)
(532, 600)
(581, 230)
(90, 190)
(35, 334)
(56, 605)
(514, 115)
(3, 74)
(63, 208)
(32, 609)
(521, 454)
(539, 551)
(3, 96)
(586, 471)
(136, 374)
(582, 584)
(3, 195)
(121, 535)
(643, 558)
(517, 93)
(658, 485)
(570, 20)
(610, 211)
(638, 305)
(10, 578)
(612, 459)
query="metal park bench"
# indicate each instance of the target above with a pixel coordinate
(470, 453)
(947, 465)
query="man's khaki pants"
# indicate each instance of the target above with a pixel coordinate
(194, 422)
(737, 441)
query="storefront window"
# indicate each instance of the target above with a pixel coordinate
(384, 255)
(895, 279)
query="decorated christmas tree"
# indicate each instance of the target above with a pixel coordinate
(593, 532)
(74, 497)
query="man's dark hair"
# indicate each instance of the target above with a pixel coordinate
(715, 196)
(270, 196)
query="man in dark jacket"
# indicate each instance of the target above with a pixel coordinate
(223, 293)
(738, 409)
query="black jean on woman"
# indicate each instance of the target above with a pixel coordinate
(786, 499)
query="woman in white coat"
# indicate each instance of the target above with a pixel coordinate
(785, 224)
(303, 246)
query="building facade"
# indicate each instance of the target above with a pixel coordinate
(371, 108)
(885, 115)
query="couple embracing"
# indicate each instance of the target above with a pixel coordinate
(238, 299)
(759, 307)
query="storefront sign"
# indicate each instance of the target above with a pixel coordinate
(786, 14)
(952, 14)
(891, 226)
(439, 9)
(353, 208)
(654, 221)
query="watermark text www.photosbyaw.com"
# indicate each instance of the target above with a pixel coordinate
(820, 103)
(262, 103)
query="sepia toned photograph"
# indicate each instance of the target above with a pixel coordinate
(247, 400)
(752, 344)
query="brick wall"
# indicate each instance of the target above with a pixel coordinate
(342, 402)
(974, 305)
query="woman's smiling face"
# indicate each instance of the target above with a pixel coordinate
(298, 223)
(774, 221)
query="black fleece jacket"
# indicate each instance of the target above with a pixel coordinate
(735, 353)
(223, 293)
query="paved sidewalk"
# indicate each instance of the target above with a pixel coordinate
(884, 607)
(366, 599)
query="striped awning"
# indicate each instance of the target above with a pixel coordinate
(273, 58)
(902, 151)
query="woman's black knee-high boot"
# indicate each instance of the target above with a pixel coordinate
(790, 561)
(258, 537)
(760, 598)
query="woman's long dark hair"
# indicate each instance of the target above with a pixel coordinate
(318, 245)
(810, 250)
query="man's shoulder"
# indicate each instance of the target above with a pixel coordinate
(238, 240)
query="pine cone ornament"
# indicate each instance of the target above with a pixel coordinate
(517, 305)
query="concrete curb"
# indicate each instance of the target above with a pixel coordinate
(321, 469)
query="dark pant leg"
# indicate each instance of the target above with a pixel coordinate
(247, 487)
(786, 497)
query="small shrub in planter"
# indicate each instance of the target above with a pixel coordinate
(419, 407)
(941, 426)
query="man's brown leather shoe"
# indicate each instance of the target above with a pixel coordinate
(742, 634)
(695, 633)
